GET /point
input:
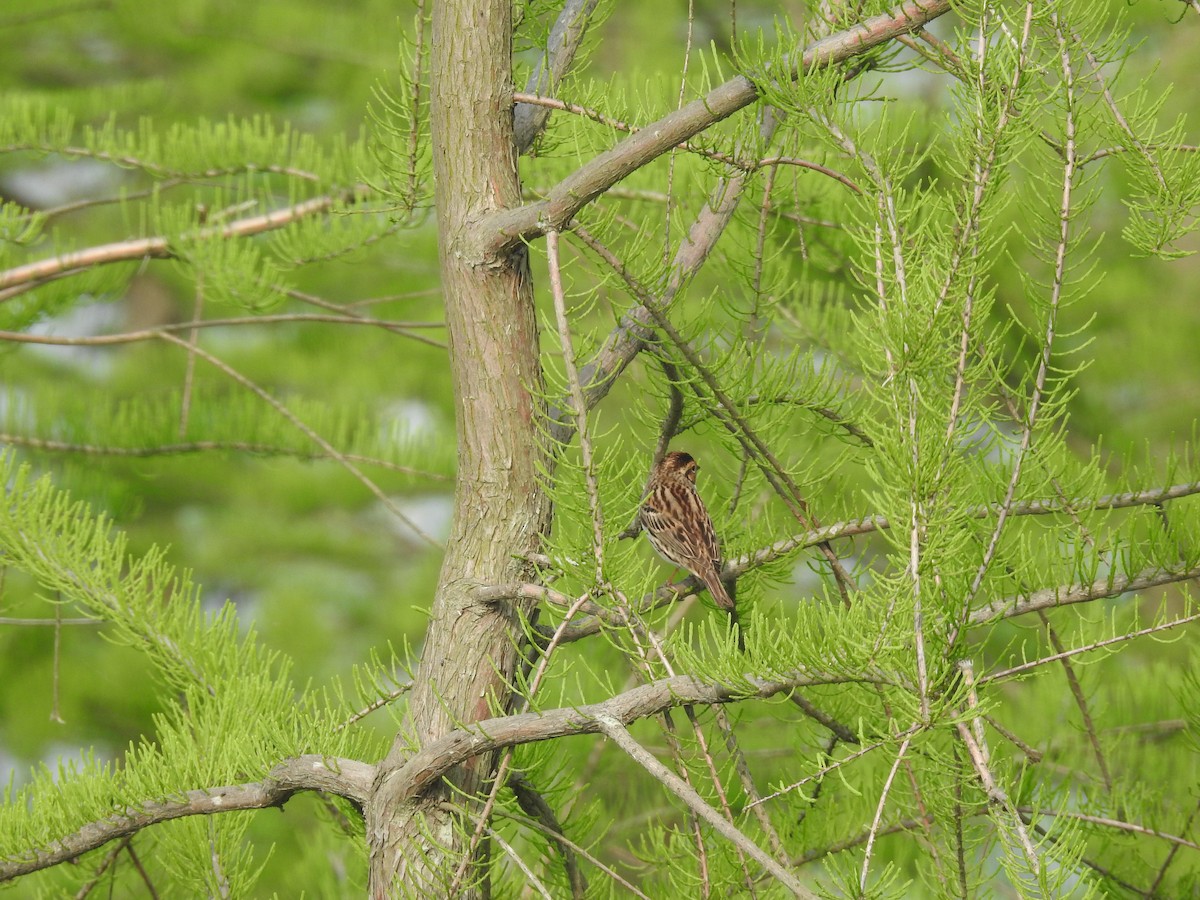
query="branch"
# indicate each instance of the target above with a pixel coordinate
(22, 278)
(146, 334)
(1110, 823)
(427, 766)
(1087, 648)
(616, 732)
(633, 332)
(630, 889)
(344, 777)
(997, 795)
(535, 806)
(565, 38)
(858, 840)
(1019, 605)
(500, 232)
(36, 443)
(729, 159)
(1011, 606)
(308, 432)
(877, 822)
(868, 524)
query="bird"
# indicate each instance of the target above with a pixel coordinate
(678, 524)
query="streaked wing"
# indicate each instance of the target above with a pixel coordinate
(680, 528)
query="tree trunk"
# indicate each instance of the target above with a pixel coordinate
(500, 508)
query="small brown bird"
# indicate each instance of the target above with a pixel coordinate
(678, 525)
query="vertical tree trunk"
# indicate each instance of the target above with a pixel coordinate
(500, 509)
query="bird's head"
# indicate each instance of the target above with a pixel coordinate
(679, 465)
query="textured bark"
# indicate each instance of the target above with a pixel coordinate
(500, 510)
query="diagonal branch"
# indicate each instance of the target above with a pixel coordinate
(1087, 648)
(633, 332)
(344, 777)
(19, 279)
(500, 232)
(308, 432)
(535, 806)
(565, 38)
(617, 733)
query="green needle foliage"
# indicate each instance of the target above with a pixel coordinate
(924, 317)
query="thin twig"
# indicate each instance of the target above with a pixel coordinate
(189, 374)
(531, 880)
(578, 403)
(1057, 286)
(333, 452)
(825, 770)
(875, 823)
(1166, 863)
(618, 734)
(379, 703)
(129, 337)
(109, 859)
(534, 804)
(1111, 823)
(973, 739)
(55, 715)
(1065, 595)
(1081, 702)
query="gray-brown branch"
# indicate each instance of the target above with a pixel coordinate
(345, 777)
(427, 767)
(500, 232)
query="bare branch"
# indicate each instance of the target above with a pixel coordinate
(997, 795)
(344, 777)
(501, 231)
(1166, 863)
(859, 839)
(1111, 823)
(877, 821)
(1065, 595)
(22, 278)
(317, 439)
(869, 524)
(633, 332)
(904, 736)
(578, 404)
(425, 768)
(130, 337)
(746, 165)
(1054, 302)
(973, 738)
(531, 880)
(563, 840)
(1085, 713)
(1075, 651)
(616, 732)
(565, 38)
